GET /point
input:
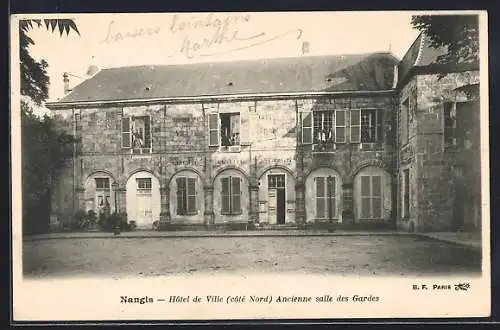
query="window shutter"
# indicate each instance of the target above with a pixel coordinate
(320, 197)
(180, 196)
(213, 128)
(379, 114)
(340, 126)
(225, 205)
(191, 195)
(126, 137)
(239, 125)
(331, 195)
(236, 195)
(355, 126)
(307, 129)
(147, 132)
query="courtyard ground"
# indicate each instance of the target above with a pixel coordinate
(401, 255)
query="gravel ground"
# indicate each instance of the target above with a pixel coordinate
(341, 255)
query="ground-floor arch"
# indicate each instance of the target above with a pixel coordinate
(98, 194)
(323, 195)
(231, 196)
(277, 196)
(187, 203)
(143, 199)
(372, 195)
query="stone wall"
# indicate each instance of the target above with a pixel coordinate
(180, 146)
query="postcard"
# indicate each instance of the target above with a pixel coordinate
(250, 166)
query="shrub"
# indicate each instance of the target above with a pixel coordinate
(92, 217)
(79, 218)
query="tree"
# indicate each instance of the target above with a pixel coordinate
(458, 33)
(43, 147)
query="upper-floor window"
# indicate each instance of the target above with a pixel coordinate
(328, 128)
(136, 134)
(224, 129)
(366, 125)
(449, 114)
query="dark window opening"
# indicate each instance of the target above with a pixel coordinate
(186, 196)
(230, 129)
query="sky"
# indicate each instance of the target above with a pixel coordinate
(115, 40)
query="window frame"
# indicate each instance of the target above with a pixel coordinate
(133, 150)
(371, 196)
(186, 196)
(230, 195)
(405, 120)
(145, 189)
(326, 199)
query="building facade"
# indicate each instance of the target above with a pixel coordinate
(354, 139)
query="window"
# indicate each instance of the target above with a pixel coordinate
(404, 122)
(231, 195)
(276, 181)
(371, 197)
(186, 196)
(307, 127)
(340, 126)
(406, 194)
(102, 183)
(325, 197)
(224, 129)
(143, 183)
(323, 128)
(136, 134)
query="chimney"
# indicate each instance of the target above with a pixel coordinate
(66, 83)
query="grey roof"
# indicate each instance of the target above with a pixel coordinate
(359, 72)
(421, 55)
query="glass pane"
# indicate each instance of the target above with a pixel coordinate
(191, 203)
(377, 186)
(320, 187)
(340, 118)
(340, 136)
(365, 186)
(333, 207)
(126, 140)
(306, 135)
(181, 201)
(365, 207)
(125, 124)
(320, 208)
(271, 181)
(147, 133)
(214, 138)
(355, 117)
(331, 186)
(213, 121)
(377, 207)
(236, 206)
(235, 186)
(191, 187)
(225, 204)
(307, 120)
(355, 134)
(181, 184)
(224, 186)
(280, 181)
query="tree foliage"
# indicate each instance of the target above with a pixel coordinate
(34, 79)
(459, 34)
(44, 148)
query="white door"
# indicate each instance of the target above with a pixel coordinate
(144, 209)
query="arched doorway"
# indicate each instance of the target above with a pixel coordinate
(143, 199)
(98, 194)
(323, 195)
(372, 195)
(231, 196)
(277, 196)
(187, 203)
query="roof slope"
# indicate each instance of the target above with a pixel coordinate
(365, 72)
(422, 55)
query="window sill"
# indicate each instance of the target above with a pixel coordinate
(230, 149)
(231, 214)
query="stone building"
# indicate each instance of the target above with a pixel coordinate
(353, 139)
